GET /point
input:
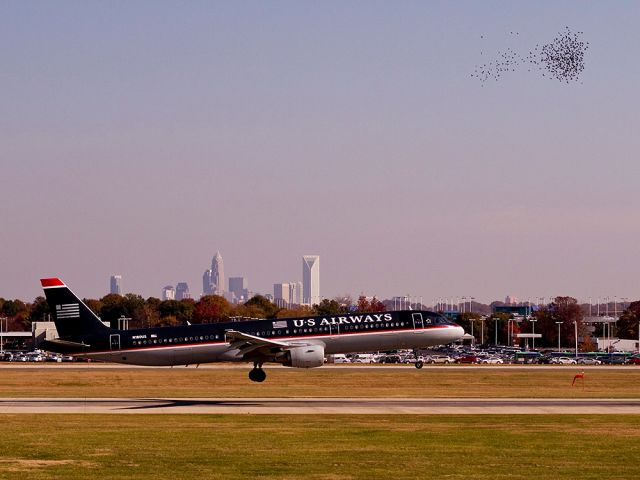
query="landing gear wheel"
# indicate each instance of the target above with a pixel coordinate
(419, 364)
(257, 374)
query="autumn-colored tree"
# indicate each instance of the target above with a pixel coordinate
(210, 309)
(300, 311)
(94, 305)
(373, 305)
(151, 311)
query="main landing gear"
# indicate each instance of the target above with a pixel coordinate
(257, 374)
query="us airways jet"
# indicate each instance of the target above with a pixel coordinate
(294, 342)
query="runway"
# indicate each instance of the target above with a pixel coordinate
(316, 405)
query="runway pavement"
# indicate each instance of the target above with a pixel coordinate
(422, 406)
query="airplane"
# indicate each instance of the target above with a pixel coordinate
(300, 342)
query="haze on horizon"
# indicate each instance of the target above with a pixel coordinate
(139, 138)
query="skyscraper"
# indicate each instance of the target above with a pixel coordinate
(310, 279)
(295, 291)
(217, 274)
(168, 293)
(281, 294)
(182, 291)
(116, 284)
(208, 287)
(239, 286)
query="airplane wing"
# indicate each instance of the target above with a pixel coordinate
(246, 343)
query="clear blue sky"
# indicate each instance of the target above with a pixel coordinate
(141, 137)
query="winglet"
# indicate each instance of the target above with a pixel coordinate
(51, 282)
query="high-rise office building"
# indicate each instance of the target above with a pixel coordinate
(208, 287)
(217, 274)
(294, 292)
(239, 287)
(116, 284)
(168, 293)
(310, 279)
(281, 294)
(182, 291)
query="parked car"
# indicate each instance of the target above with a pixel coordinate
(613, 360)
(35, 357)
(340, 358)
(390, 359)
(635, 360)
(589, 361)
(491, 360)
(362, 358)
(467, 359)
(438, 359)
(563, 361)
(19, 357)
(6, 357)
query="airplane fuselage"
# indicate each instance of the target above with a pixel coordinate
(205, 343)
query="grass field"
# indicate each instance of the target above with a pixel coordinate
(336, 382)
(318, 447)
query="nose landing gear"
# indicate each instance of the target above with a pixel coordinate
(257, 374)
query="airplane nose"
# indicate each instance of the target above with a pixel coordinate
(457, 332)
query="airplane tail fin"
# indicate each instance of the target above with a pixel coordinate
(72, 317)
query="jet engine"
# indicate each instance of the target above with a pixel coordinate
(309, 356)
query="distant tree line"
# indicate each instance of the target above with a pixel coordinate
(154, 312)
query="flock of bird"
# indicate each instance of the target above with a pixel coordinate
(561, 59)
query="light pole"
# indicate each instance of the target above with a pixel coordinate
(4, 320)
(575, 327)
(558, 323)
(533, 326)
(482, 331)
(495, 326)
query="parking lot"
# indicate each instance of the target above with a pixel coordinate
(495, 355)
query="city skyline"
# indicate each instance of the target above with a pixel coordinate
(137, 135)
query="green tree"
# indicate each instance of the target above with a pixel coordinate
(564, 310)
(497, 321)
(628, 323)
(13, 308)
(39, 310)
(328, 307)
(262, 304)
(169, 308)
(465, 319)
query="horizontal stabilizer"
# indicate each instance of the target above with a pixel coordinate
(62, 346)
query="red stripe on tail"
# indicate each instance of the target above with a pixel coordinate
(51, 282)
